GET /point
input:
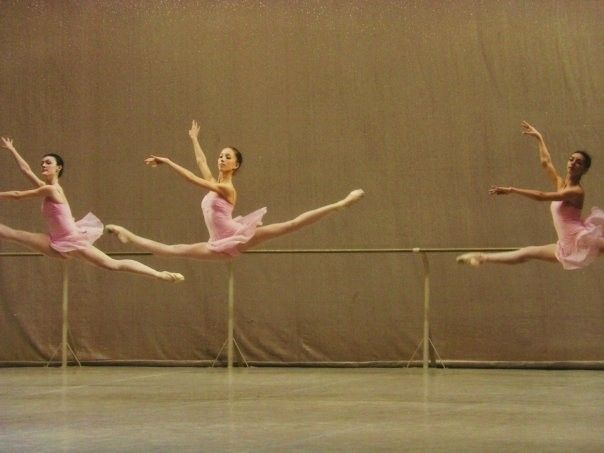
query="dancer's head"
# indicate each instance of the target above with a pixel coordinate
(578, 163)
(52, 164)
(230, 159)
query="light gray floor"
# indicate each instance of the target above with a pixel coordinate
(298, 409)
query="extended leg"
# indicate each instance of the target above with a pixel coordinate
(100, 259)
(197, 251)
(37, 242)
(535, 252)
(268, 232)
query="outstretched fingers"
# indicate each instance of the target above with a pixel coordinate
(194, 131)
(7, 143)
(527, 129)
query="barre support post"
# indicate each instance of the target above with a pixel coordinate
(426, 341)
(230, 342)
(65, 330)
(231, 315)
(65, 346)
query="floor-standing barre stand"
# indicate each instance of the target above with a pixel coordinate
(426, 341)
(230, 341)
(64, 346)
(65, 333)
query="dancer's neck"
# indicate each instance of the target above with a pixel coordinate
(572, 181)
(225, 178)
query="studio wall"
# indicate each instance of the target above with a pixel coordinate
(417, 102)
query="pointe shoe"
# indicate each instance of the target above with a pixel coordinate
(118, 231)
(357, 194)
(353, 197)
(175, 277)
(473, 259)
(112, 229)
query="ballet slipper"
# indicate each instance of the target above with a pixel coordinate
(473, 259)
(120, 232)
(174, 277)
(352, 198)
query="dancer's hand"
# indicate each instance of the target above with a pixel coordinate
(527, 129)
(154, 161)
(496, 190)
(8, 143)
(194, 131)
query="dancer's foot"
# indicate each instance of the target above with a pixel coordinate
(172, 277)
(473, 259)
(123, 235)
(352, 198)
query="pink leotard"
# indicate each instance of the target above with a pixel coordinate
(65, 233)
(579, 241)
(226, 232)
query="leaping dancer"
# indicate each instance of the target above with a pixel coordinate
(580, 241)
(66, 238)
(228, 236)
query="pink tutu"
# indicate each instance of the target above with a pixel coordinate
(226, 232)
(65, 233)
(579, 241)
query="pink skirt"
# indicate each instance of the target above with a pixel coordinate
(246, 228)
(582, 248)
(87, 231)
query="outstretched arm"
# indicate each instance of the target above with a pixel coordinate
(43, 191)
(23, 165)
(573, 195)
(544, 155)
(200, 157)
(225, 190)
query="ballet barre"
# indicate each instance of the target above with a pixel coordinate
(230, 343)
(425, 343)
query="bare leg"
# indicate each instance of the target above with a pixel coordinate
(38, 242)
(535, 252)
(198, 251)
(268, 232)
(100, 259)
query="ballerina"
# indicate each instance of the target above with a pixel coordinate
(66, 238)
(228, 236)
(580, 242)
